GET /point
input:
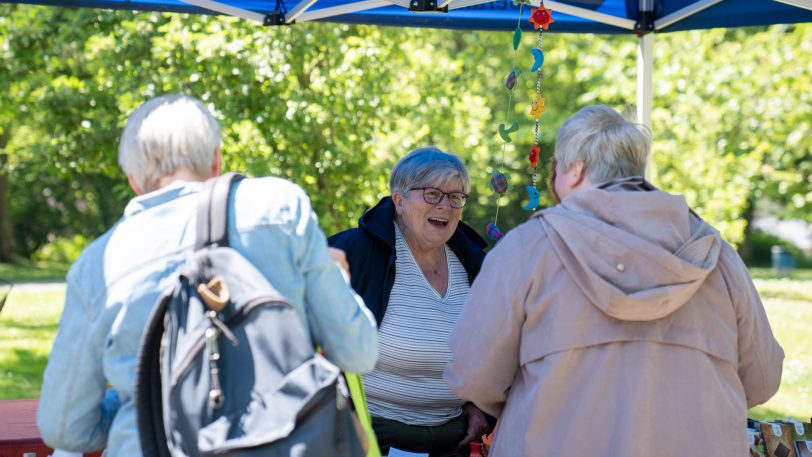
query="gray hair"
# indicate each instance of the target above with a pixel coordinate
(609, 146)
(428, 167)
(167, 133)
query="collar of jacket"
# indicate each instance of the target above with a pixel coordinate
(175, 189)
(465, 242)
(633, 183)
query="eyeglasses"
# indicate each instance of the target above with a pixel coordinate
(433, 196)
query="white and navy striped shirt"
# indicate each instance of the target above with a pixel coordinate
(407, 383)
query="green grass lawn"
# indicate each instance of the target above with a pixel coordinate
(789, 307)
(26, 270)
(29, 321)
(28, 324)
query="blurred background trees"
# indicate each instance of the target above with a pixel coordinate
(332, 107)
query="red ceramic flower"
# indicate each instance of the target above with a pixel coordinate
(541, 17)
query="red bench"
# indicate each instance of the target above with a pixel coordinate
(19, 436)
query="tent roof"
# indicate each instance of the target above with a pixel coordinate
(595, 16)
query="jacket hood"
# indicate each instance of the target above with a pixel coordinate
(636, 252)
(378, 220)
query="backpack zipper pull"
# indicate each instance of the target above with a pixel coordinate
(212, 315)
(216, 396)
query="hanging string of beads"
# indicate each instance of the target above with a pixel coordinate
(500, 181)
(541, 18)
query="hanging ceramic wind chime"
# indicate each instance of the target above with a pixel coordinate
(500, 181)
(541, 19)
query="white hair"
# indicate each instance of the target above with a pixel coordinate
(167, 133)
(428, 167)
(610, 146)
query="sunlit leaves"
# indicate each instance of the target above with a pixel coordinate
(332, 107)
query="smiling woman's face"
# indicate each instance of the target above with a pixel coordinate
(424, 225)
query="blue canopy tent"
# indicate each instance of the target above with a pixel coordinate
(588, 16)
(641, 17)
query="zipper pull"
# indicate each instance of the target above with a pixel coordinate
(216, 396)
(212, 315)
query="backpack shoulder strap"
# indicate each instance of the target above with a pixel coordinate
(212, 210)
(148, 394)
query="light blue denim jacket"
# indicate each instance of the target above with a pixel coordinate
(113, 286)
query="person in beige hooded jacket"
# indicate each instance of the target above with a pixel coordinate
(617, 323)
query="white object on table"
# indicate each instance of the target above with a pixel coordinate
(61, 453)
(395, 452)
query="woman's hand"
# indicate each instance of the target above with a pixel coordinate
(477, 423)
(340, 258)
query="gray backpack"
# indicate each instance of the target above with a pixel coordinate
(225, 367)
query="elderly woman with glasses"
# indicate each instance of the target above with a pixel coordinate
(412, 261)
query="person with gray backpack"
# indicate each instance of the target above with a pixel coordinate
(244, 304)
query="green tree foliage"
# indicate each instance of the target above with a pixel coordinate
(332, 107)
(308, 103)
(60, 120)
(733, 121)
